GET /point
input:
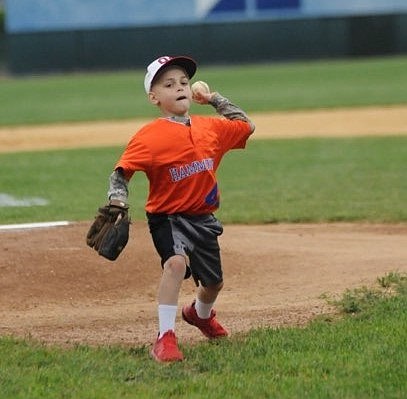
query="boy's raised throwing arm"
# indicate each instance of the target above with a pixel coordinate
(229, 110)
(222, 106)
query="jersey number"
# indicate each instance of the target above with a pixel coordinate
(212, 198)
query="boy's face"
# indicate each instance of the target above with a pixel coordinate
(171, 92)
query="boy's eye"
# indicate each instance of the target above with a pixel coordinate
(170, 83)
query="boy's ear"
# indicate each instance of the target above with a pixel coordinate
(153, 98)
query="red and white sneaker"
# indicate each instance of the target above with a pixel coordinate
(166, 349)
(209, 327)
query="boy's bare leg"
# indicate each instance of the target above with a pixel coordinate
(209, 294)
(171, 280)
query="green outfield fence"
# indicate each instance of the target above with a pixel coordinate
(2, 42)
(210, 43)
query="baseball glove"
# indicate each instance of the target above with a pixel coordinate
(109, 233)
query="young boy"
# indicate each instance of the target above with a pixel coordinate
(179, 154)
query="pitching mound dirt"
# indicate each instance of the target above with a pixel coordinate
(56, 289)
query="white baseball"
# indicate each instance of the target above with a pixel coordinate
(200, 87)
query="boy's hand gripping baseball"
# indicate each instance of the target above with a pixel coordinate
(201, 93)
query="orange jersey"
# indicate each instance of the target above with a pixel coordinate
(180, 161)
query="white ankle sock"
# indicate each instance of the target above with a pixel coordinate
(203, 310)
(166, 318)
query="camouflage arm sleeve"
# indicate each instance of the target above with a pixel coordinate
(118, 189)
(230, 111)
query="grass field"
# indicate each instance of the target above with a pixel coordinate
(358, 355)
(289, 86)
(288, 180)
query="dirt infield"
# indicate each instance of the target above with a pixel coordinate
(318, 123)
(56, 289)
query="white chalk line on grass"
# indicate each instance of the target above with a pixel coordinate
(39, 225)
(7, 200)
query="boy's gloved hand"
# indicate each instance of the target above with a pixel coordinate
(109, 233)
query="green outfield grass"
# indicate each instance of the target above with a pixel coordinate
(265, 87)
(302, 180)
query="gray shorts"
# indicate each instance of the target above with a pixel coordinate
(192, 236)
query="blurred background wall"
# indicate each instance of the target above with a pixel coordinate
(2, 38)
(66, 35)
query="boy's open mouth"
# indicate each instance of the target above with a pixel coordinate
(181, 98)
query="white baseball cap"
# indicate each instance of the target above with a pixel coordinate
(156, 66)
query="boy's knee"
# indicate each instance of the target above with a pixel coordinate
(175, 265)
